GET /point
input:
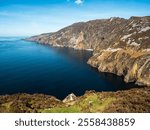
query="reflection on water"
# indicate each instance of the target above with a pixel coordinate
(80, 55)
(33, 68)
(120, 84)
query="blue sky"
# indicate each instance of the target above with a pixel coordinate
(31, 17)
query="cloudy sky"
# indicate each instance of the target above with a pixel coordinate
(31, 17)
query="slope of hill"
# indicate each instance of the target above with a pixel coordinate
(133, 100)
(120, 46)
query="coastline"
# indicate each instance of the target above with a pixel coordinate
(123, 50)
(120, 50)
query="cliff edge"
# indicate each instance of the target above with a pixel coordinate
(131, 101)
(120, 46)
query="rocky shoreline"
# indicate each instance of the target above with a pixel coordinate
(120, 46)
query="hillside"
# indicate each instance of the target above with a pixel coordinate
(133, 100)
(120, 46)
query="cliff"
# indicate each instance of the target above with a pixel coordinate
(120, 46)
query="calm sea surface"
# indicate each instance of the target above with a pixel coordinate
(28, 67)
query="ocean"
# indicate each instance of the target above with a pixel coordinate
(29, 67)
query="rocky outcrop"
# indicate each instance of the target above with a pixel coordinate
(121, 46)
(71, 97)
(134, 65)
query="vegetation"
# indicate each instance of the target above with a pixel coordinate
(90, 102)
(133, 100)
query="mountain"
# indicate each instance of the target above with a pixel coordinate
(120, 46)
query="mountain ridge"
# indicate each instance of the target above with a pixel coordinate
(120, 46)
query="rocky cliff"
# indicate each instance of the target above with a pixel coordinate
(120, 46)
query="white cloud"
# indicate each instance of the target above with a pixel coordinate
(79, 2)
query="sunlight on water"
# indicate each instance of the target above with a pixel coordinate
(29, 67)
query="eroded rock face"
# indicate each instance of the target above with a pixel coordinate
(121, 46)
(134, 65)
(83, 35)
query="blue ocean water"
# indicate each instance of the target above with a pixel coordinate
(28, 67)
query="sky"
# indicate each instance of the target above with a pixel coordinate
(32, 17)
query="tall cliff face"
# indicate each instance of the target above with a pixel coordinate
(87, 35)
(121, 46)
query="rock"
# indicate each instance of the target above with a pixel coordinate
(70, 98)
(120, 46)
(135, 66)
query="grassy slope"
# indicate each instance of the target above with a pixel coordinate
(88, 103)
(133, 100)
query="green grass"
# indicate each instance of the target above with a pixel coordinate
(90, 103)
(71, 109)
